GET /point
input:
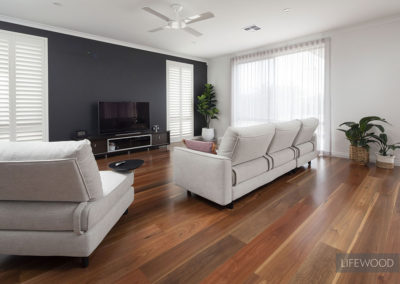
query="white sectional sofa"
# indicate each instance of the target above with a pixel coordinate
(248, 157)
(54, 201)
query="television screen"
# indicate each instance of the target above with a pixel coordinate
(120, 117)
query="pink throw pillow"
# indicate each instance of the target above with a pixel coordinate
(203, 146)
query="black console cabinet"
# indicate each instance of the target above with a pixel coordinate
(107, 144)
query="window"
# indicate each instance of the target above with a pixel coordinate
(179, 100)
(283, 84)
(23, 87)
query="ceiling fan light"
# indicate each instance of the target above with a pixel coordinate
(177, 25)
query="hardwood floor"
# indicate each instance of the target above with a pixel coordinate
(288, 231)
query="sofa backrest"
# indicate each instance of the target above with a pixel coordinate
(308, 127)
(243, 144)
(49, 171)
(285, 133)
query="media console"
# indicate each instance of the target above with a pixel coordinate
(107, 144)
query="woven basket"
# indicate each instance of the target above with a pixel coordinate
(359, 154)
(384, 165)
(385, 162)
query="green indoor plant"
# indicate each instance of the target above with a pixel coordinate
(384, 159)
(207, 107)
(360, 134)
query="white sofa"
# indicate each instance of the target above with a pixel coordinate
(248, 157)
(55, 202)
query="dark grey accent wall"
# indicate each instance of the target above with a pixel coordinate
(83, 72)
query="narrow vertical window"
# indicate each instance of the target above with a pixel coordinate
(179, 100)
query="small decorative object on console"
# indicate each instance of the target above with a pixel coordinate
(202, 146)
(156, 127)
(80, 134)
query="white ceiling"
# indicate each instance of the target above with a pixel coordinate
(124, 20)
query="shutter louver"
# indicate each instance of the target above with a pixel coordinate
(26, 87)
(4, 91)
(180, 100)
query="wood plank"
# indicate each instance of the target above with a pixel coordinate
(319, 267)
(289, 256)
(197, 268)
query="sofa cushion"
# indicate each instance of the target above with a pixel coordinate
(285, 133)
(42, 155)
(282, 157)
(115, 185)
(243, 144)
(248, 170)
(307, 129)
(305, 148)
(58, 216)
(37, 215)
(202, 146)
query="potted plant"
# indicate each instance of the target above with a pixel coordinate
(383, 158)
(206, 106)
(360, 135)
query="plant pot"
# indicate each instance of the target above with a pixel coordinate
(359, 154)
(384, 162)
(207, 134)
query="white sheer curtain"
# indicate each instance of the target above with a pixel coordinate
(283, 84)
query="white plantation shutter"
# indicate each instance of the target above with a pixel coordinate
(4, 90)
(179, 100)
(23, 87)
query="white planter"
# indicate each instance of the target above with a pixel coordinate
(207, 134)
(386, 162)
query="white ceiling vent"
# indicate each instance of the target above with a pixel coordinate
(252, 28)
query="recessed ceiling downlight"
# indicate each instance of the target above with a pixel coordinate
(58, 4)
(286, 10)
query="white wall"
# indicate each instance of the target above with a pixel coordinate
(219, 74)
(365, 79)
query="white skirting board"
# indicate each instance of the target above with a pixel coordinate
(372, 157)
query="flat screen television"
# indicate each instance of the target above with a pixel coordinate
(123, 117)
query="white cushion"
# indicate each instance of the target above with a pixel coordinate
(308, 127)
(248, 170)
(80, 151)
(111, 180)
(305, 148)
(243, 144)
(285, 133)
(282, 157)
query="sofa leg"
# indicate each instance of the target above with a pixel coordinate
(126, 212)
(188, 193)
(85, 262)
(229, 206)
(309, 164)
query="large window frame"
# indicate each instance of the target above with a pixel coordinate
(23, 87)
(285, 83)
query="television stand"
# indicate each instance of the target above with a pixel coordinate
(124, 134)
(120, 143)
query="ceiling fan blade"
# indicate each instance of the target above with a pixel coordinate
(198, 18)
(157, 29)
(193, 31)
(157, 14)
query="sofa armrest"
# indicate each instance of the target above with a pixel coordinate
(314, 141)
(207, 175)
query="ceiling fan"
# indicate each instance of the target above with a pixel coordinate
(179, 23)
